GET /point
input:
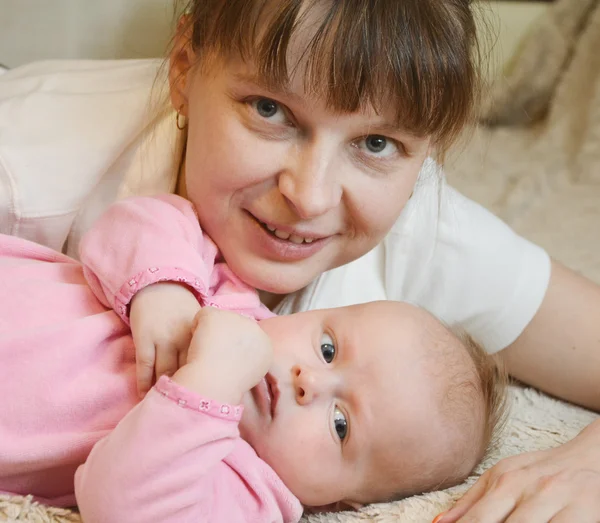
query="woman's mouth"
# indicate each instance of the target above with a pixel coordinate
(283, 244)
(284, 235)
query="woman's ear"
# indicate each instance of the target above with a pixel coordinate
(181, 61)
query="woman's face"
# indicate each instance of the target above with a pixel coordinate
(286, 187)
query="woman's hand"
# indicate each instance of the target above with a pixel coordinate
(559, 485)
(229, 354)
(161, 318)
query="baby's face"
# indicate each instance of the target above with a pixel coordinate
(349, 410)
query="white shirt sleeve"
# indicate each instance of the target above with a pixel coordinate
(450, 256)
(74, 137)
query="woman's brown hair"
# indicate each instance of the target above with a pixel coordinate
(419, 56)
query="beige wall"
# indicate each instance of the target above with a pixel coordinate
(508, 22)
(39, 29)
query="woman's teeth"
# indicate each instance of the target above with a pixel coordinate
(287, 236)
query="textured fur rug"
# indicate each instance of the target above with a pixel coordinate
(536, 163)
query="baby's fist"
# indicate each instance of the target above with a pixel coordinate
(229, 354)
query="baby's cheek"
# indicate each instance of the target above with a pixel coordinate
(306, 459)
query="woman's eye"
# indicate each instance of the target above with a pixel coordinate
(268, 109)
(327, 348)
(378, 145)
(340, 423)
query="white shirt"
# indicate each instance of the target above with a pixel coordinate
(76, 135)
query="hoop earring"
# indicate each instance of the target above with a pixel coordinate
(180, 118)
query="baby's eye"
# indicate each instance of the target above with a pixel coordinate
(378, 145)
(327, 348)
(269, 109)
(340, 423)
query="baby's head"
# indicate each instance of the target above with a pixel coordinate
(371, 403)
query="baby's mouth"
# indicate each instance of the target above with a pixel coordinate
(273, 391)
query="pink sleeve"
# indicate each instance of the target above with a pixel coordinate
(140, 241)
(178, 457)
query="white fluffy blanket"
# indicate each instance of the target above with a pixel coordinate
(537, 165)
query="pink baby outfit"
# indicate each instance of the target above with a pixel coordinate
(67, 380)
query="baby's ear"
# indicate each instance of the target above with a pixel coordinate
(352, 505)
(340, 506)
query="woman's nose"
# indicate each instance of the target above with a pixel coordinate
(310, 385)
(310, 183)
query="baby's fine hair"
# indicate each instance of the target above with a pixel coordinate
(473, 404)
(482, 387)
(419, 56)
(492, 381)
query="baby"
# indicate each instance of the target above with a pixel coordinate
(326, 409)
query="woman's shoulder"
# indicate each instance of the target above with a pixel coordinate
(436, 210)
(74, 133)
(78, 76)
(71, 101)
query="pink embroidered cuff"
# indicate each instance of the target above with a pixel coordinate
(190, 400)
(155, 275)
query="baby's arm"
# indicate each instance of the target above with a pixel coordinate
(136, 244)
(171, 461)
(178, 456)
(141, 241)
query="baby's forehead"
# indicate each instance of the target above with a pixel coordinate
(403, 351)
(416, 405)
(409, 328)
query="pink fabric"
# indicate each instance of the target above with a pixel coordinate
(141, 241)
(200, 471)
(67, 380)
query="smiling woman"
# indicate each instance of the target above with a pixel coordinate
(261, 204)
(292, 129)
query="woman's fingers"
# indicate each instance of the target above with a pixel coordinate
(461, 507)
(578, 514)
(539, 491)
(501, 475)
(543, 504)
(499, 500)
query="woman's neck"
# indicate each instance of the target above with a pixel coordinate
(180, 186)
(269, 299)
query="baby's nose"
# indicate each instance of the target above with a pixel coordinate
(310, 384)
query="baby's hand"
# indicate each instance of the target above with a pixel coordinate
(161, 318)
(229, 354)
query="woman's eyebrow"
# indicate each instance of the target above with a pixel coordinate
(256, 80)
(387, 128)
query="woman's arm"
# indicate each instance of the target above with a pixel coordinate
(559, 351)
